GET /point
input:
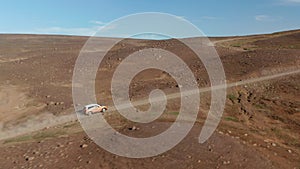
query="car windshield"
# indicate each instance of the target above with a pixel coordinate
(90, 107)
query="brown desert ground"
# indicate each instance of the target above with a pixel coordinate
(260, 126)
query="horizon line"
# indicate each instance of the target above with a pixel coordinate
(116, 37)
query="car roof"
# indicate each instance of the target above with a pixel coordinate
(89, 105)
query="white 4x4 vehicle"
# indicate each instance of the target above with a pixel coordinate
(94, 108)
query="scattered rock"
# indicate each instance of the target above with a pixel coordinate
(178, 86)
(273, 144)
(60, 145)
(51, 103)
(226, 162)
(29, 158)
(210, 148)
(290, 151)
(133, 128)
(267, 140)
(83, 145)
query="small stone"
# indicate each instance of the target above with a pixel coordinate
(290, 151)
(35, 152)
(210, 148)
(246, 135)
(51, 103)
(133, 128)
(273, 144)
(199, 161)
(83, 145)
(226, 162)
(189, 156)
(178, 86)
(254, 144)
(229, 131)
(29, 158)
(60, 145)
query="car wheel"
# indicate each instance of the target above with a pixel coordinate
(90, 113)
(103, 110)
